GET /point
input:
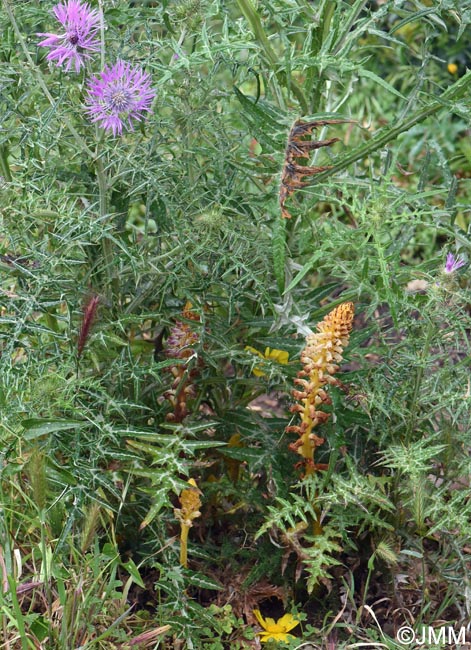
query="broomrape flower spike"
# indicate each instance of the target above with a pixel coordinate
(118, 95)
(276, 631)
(320, 357)
(190, 504)
(453, 263)
(81, 25)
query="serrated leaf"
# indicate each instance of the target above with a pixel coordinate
(412, 17)
(160, 499)
(306, 268)
(133, 571)
(36, 427)
(257, 120)
(202, 581)
(249, 454)
(381, 82)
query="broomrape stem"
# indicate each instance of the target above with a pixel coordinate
(184, 545)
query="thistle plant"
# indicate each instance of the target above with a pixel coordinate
(320, 357)
(101, 198)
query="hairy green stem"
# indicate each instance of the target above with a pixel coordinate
(107, 244)
(318, 39)
(4, 166)
(253, 19)
(375, 233)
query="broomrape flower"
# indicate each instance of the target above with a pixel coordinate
(276, 631)
(320, 357)
(118, 95)
(81, 25)
(453, 263)
(280, 356)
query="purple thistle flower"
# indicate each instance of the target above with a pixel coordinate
(81, 25)
(118, 95)
(453, 263)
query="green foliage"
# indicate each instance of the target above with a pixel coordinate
(177, 225)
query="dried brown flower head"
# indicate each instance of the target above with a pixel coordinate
(293, 174)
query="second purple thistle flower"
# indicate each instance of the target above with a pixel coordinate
(118, 95)
(81, 25)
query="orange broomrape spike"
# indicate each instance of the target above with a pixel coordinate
(320, 357)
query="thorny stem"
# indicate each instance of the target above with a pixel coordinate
(107, 245)
(375, 234)
(102, 34)
(320, 35)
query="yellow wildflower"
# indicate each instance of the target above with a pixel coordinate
(276, 631)
(452, 68)
(280, 356)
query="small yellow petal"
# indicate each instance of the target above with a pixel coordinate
(452, 68)
(253, 351)
(271, 626)
(281, 356)
(287, 622)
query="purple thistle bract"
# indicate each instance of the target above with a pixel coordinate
(81, 25)
(453, 263)
(119, 94)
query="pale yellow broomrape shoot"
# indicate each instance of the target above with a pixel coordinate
(190, 503)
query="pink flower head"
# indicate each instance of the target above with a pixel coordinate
(454, 263)
(81, 25)
(118, 95)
